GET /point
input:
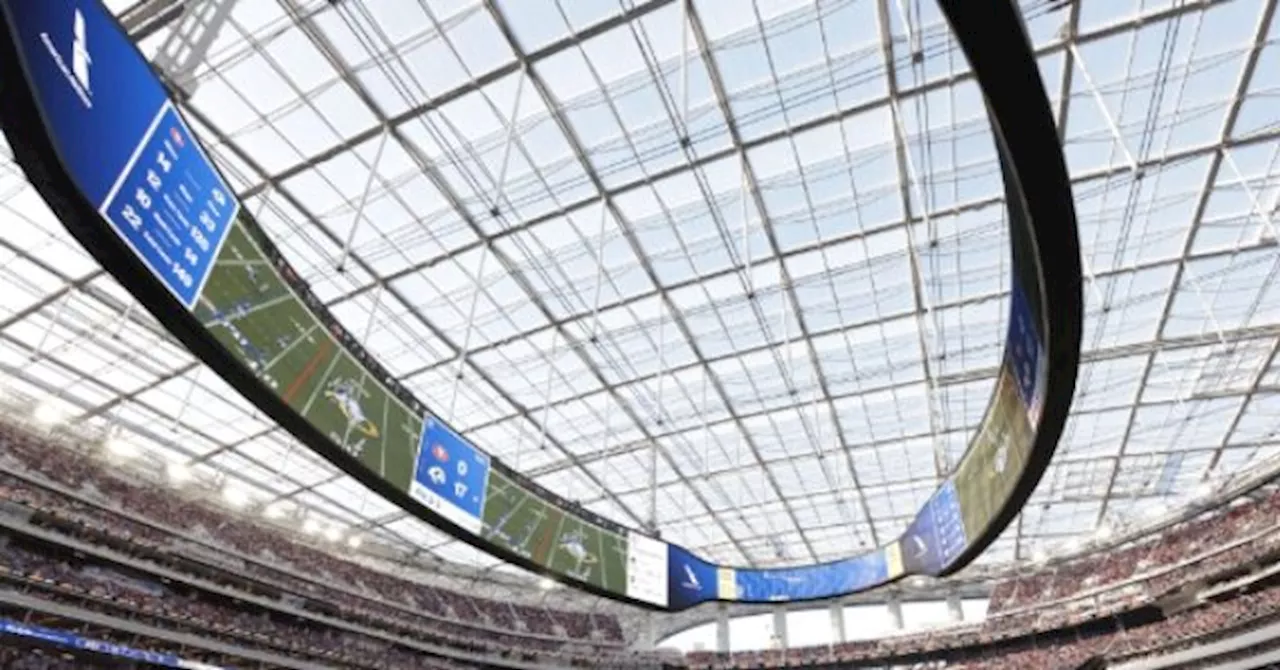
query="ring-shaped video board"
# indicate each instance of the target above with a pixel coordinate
(99, 136)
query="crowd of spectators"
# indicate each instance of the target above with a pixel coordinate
(27, 658)
(1178, 631)
(60, 580)
(162, 507)
(1191, 553)
(1091, 573)
(63, 484)
(357, 593)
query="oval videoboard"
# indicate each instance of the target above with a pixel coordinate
(97, 133)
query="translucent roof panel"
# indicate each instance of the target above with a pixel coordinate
(737, 268)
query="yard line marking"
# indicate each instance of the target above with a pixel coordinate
(285, 351)
(604, 562)
(248, 312)
(328, 343)
(382, 451)
(554, 537)
(307, 371)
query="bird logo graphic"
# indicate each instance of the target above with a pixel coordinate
(691, 579)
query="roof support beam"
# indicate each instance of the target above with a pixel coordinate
(969, 301)
(626, 404)
(1192, 153)
(640, 10)
(1211, 178)
(332, 54)
(790, 301)
(970, 376)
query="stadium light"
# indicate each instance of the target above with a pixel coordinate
(547, 584)
(47, 414)
(333, 533)
(274, 511)
(178, 473)
(122, 448)
(310, 526)
(1040, 556)
(1104, 531)
(355, 541)
(235, 496)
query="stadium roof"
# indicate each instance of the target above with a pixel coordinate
(796, 313)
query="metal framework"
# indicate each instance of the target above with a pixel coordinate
(734, 275)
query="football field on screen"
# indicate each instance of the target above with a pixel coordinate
(248, 307)
(986, 477)
(250, 310)
(517, 520)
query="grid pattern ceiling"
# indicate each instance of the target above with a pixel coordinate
(756, 267)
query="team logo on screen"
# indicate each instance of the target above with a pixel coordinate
(440, 477)
(919, 548)
(690, 579)
(346, 394)
(77, 73)
(80, 58)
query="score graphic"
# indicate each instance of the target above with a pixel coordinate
(647, 569)
(451, 476)
(122, 142)
(1025, 355)
(171, 207)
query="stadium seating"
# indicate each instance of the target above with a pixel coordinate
(1235, 542)
(73, 495)
(1188, 539)
(330, 610)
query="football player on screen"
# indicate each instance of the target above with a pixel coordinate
(346, 394)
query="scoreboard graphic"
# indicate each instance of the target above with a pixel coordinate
(937, 535)
(647, 569)
(1025, 355)
(151, 181)
(450, 476)
(132, 157)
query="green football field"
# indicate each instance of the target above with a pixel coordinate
(523, 523)
(248, 307)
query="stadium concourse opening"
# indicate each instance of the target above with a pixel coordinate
(345, 334)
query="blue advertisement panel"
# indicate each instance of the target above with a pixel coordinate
(1025, 355)
(690, 580)
(147, 175)
(72, 641)
(450, 476)
(936, 536)
(813, 581)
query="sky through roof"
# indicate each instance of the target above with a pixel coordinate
(767, 255)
